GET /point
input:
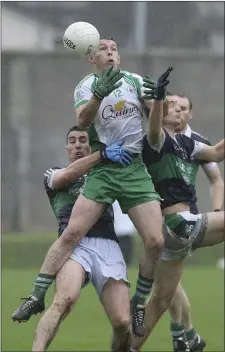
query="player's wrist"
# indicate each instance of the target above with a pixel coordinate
(97, 96)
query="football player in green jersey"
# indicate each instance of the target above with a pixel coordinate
(168, 157)
(97, 258)
(180, 315)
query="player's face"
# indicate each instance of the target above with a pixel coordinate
(77, 145)
(107, 55)
(186, 115)
(173, 118)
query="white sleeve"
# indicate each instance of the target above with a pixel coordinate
(139, 85)
(209, 166)
(50, 174)
(82, 94)
(198, 147)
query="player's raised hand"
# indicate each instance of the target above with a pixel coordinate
(157, 90)
(107, 82)
(116, 153)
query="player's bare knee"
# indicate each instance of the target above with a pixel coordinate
(63, 305)
(121, 323)
(155, 243)
(71, 234)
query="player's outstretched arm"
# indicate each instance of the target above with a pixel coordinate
(155, 131)
(80, 167)
(209, 153)
(64, 177)
(105, 84)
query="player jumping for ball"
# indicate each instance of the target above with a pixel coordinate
(110, 103)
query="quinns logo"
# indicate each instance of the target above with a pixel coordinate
(118, 110)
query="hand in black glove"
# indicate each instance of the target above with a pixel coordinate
(157, 90)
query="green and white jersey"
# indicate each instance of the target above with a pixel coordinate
(119, 118)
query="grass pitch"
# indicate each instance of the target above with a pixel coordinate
(87, 328)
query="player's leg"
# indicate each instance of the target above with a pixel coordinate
(181, 322)
(214, 230)
(167, 277)
(110, 281)
(116, 302)
(69, 281)
(147, 219)
(84, 215)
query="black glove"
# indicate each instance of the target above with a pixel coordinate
(157, 90)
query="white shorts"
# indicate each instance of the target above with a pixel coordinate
(102, 260)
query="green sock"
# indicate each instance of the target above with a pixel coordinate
(143, 289)
(192, 337)
(41, 285)
(177, 330)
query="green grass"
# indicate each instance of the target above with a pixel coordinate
(87, 328)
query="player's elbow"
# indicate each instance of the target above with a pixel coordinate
(83, 118)
(83, 122)
(217, 154)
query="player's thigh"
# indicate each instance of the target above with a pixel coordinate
(116, 302)
(109, 277)
(147, 218)
(215, 231)
(85, 214)
(69, 282)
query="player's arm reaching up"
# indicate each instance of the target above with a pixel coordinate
(102, 87)
(157, 92)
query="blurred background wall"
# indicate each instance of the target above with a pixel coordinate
(39, 77)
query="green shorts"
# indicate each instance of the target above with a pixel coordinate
(131, 185)
(183, 233)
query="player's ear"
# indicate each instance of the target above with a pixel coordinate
(118, 59)
(91, 60)
(190, 115)
(66, 149)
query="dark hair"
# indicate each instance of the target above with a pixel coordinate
(108, 38)
(76, 128)
(189, 100)
(182, 96)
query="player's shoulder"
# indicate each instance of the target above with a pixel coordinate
(199, 138)
(48, 175)
(86, 81)
(131, 75)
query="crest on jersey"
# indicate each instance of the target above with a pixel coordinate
(119, 105)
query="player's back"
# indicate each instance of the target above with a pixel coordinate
(119, 118)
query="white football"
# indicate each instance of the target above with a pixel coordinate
(82, 38)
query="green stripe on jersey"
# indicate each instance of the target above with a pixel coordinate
(173, 167)
(84, 80)
(81, 103)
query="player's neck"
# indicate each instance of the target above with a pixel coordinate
(170, 130)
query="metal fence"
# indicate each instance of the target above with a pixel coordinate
(37, 110)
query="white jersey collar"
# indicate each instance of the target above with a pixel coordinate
(188, 131)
